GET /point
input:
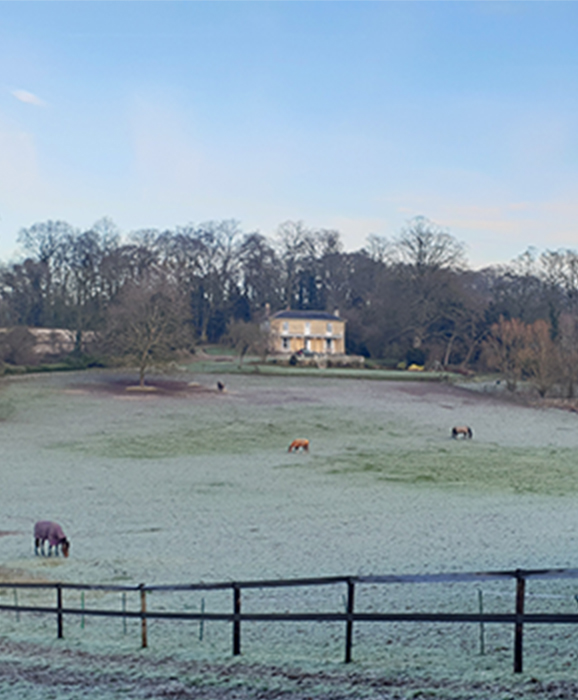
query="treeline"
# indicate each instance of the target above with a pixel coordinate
(409, 299)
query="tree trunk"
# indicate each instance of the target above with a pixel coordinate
(469, 354)
(449, 350)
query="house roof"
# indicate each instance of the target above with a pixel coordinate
(313, 315)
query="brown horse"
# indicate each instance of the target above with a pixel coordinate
(47, 531)
(464, 430)
(301, 443)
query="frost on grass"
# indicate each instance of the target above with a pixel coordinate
(173, 489)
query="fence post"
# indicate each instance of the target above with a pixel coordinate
(519, 628)
(236, 620)
(349, 624)
(59, 610)
(202, 621)
(143, 619)
(481, 609)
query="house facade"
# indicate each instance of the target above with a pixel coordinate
(312, 331)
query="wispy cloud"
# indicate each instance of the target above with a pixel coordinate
(28, 97)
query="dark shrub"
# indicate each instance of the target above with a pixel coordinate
(17, 347)
(415, 356)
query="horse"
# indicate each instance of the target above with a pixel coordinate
(301, 443)
(464, 430)
(45, 530)
(220, 386)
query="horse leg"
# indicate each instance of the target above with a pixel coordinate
(36, 544)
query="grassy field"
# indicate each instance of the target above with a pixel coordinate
(188, 483)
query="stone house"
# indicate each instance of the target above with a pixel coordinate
(307, 331)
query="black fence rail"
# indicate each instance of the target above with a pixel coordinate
(518, 617)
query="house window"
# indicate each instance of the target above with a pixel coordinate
(328, 344)
(285, 326)
(307, 328)
(308, 344)
(285, 343)
(329, 328)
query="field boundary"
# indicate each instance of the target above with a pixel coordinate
(518, 617)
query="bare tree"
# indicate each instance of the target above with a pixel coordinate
(147, 322)
(425, 246)
(539, 357)
(261, 272)
(378, 247)
(246, 338)
(47, 245)
(504, 349)
(567, 346)
(427, 259)
(294, 245)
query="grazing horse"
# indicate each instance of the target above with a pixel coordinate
(464, 430)
(220, 386)
(296, 444)
(44, 530)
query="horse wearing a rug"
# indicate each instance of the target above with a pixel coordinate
(463, 430)
(47, 531)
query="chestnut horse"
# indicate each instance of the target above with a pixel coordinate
(301, 443)
(464, 430)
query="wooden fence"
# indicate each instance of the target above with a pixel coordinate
(518, 617)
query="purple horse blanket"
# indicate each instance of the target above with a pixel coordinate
(47, 531)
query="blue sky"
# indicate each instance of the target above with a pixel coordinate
(349, 115)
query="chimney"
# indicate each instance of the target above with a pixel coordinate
(267, 310)
(336, 313)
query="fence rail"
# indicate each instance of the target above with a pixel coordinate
(518, 617)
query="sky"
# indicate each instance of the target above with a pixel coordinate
(355, 116)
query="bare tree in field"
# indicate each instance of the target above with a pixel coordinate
(247, 338)
(147, 322)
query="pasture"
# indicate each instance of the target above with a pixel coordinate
(176, 487)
